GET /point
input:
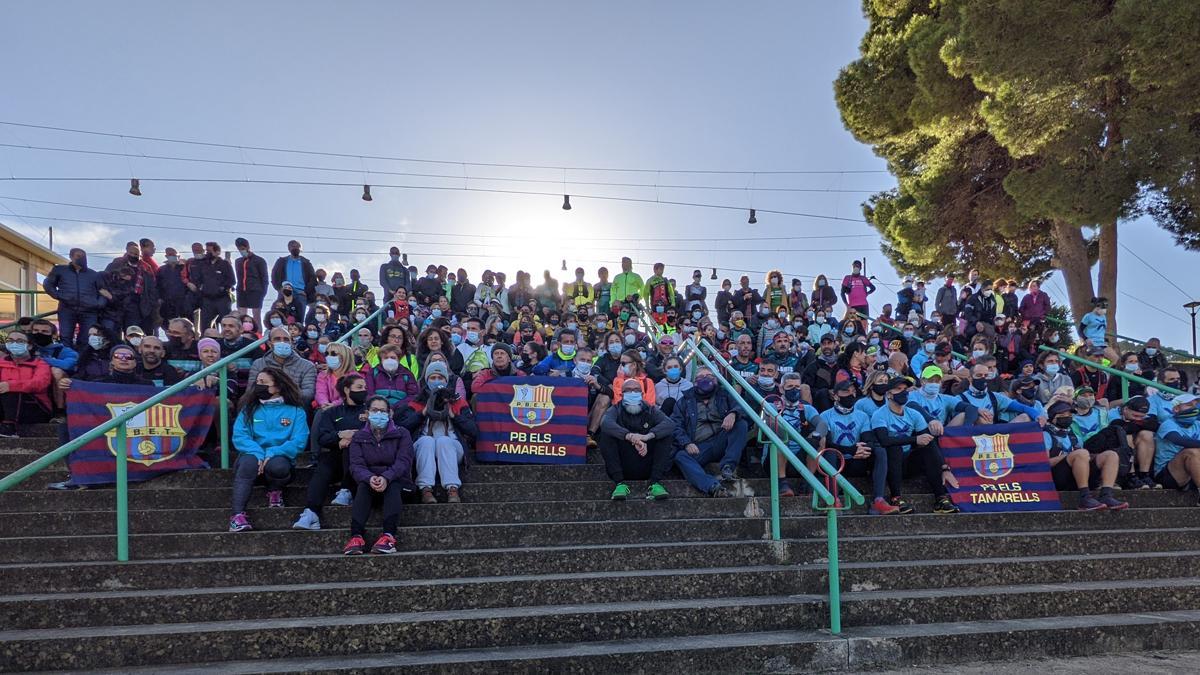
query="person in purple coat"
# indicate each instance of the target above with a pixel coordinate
(381, 462)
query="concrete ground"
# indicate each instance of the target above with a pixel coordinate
(1145, 663)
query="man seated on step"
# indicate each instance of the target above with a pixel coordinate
(708, 428)
(911, 449)
(1177, 458)
(1074, 467)
(849, 433)
(978, 405)
(636, 441)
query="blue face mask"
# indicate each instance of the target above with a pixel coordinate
(436, 313)
(282, 349)
(873, 341)
(932, 388)
(614, 349)
(908, 334)
(567, 350)
(378, 419)
(929, 347)
(1051, 369)
(674, 373)
(456, 339)
(631, 399)
(434, 385)
(17, 348)
(333, 362)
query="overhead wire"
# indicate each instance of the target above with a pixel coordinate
(1154, 269)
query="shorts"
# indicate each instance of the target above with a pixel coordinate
(1165, 479)
(1064, 479)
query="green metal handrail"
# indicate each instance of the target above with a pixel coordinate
(377, 315)
(43, 315)
(1129, 377)
(1136, 341)
(781, 448)
(119, 422)
(879, 324)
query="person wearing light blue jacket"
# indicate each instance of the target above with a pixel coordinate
(270, 431)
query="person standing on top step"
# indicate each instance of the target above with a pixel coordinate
(24, 385)
(1073, 467)
(708, 428)
(911, 449)
(297, 271)
(252, 279)
(81, 296)
(856, 288)
(381, 461)
(1177, 460)
(270, 431)
(626, 286)
(636, 442)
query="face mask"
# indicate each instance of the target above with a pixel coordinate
(879, 389)
(1187, 417)
(849, 330)
(322, 347)
(172, 259)
(378, 419)
(435, 385)
(873, 341)
(614, 349)
(390, 365)
(436, 313)
(262, 392)
(979, 383)
(632, 400)
(908, 334)
(772, 323)
(766, 382)
(333, 361)
(720, 335)
(431, 275)
(929, 347)
(17, 348)
(697, 315)
(987, 292)
(932, 388)
(455, 339)
(820, 283)
(792, 395)
(276, 322)
(1063, 422)
(659, 309)
(134, 341)
(1131, 367)
(1053, 339)
(978, 354)
(358, 397)
(674, 373)
(1151, 351)
(1051, 369)
(321, 317)
(1085, 404)
(797, 324)
(95, 341)
(627, 369)
(900, 398)
(282, 349)
(992, 374)
(630, 339)
(821, 320)
(472, 336)
(313, 335)
(567, 350)
(1027, 393)
(804, 347)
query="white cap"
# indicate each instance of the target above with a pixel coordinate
(1184, 398)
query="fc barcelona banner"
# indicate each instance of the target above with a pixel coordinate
(162, 438)
(535, 420)
(1000, 467)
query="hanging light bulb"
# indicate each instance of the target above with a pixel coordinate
(564, 266)
(135, 187)
(714, 274)
(753, 218)
(366, 193)
(566, 202)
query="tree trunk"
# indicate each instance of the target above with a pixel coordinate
(1108, 271)
(1071, 251)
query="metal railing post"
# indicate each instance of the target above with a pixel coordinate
(775, 534)
(122, 494)
(224, 412)
(835, 581)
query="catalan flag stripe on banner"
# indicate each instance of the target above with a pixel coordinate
(172, 431)
(532, 420)
(1000, 467)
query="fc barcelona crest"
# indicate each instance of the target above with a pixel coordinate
(532, 405)
(992, 459)
(151, 436)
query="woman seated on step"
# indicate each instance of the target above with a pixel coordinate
(444, 426)
(381, 461)
(270, 431)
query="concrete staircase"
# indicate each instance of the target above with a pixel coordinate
(538, 572)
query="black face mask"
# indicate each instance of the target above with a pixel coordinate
(900, 398)
(979, 383)
(879, 389)
(358, 397)
(262, 392)
(845, 402)
(41, 339)
(792, 395)
(1063, 422)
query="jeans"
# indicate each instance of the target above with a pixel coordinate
(622, 461)
(726, 446)
(276, 474)
(364, 498)
(876, 466)
(438, 455)
(70, 320)
(331, 465)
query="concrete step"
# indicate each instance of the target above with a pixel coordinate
(328, 567)
(934, 645)
(855, 523)
(60, 610)
(293, 542)
(121, 646)
(1007, 544)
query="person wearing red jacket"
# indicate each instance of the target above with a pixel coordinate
(24, 386)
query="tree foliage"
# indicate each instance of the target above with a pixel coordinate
(1022, 131)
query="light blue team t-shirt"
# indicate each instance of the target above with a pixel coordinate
(907, 423)
(939, 407)
(845, 429)
(1095, 329)
(867, 405)
(1165, 450)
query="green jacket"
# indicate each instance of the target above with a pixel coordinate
(626, 284)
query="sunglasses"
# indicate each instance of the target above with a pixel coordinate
(123, 356)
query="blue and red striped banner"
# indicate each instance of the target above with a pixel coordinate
(532, 420)
(160, 439)
(1000, 467)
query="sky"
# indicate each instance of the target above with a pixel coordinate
(669, 88)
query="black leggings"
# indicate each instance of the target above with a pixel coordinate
(331, 466)
(622, 461)
(23, 409)
(364, 498)
(924, 460)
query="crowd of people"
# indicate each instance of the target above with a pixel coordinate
(383, 408)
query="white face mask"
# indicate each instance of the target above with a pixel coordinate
(390, 365)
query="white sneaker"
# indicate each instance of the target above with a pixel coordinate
(342, 498)
(307, 521)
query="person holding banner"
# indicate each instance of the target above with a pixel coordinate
(978, 405)
(911, 449)
(270, 431)
(636, 443)
(1074, 467)
(444, 426)
(381, 461)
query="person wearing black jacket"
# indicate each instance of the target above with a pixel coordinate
(393, 274)
(297, 270)
(821, 372)
(708, 428)
(80, 294)
(172, 288)
(636, 441)
(125, 279)
(252, 279)
(216, 280)
(463, 292)
(428, 289)
(333, 429)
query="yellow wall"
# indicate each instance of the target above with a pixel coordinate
(22, 260)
